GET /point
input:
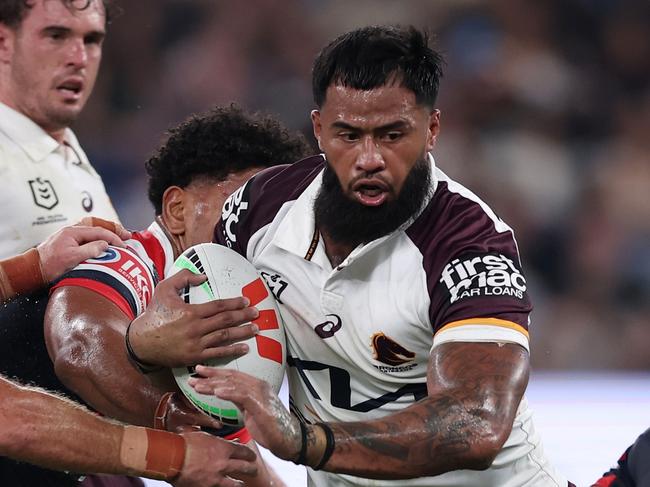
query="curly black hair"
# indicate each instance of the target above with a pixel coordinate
(217, 143)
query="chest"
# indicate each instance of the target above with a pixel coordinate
(370, 313)
(39, 198)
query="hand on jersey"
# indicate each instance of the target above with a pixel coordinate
(173, 333)
(181, 416)
(266, 418)
(69, 246)
(210, 461)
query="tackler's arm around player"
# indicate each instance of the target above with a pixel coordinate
(60, 252)
(50, 431)
(474, 390)
(173, 333)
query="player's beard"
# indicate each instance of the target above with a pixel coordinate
(347, 221)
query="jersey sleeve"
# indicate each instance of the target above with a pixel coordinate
(120, 275)
(481, 296)
(476, 286)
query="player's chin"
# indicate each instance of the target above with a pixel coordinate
(65, 113)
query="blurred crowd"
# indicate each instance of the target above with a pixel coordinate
(545, 115)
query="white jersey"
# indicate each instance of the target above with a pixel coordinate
(44, 185)
(360, 335)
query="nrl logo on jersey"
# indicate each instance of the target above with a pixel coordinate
(483, 275)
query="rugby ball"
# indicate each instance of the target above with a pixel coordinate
(231, 275)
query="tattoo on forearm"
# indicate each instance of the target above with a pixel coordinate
(473, 392)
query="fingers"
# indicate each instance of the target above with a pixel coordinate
(90, 234)
(227, 329)
(242, 452)
(117, 228)
(92, 250)
(242, 467)
(181, 280)
(217, 306)
(230, 351)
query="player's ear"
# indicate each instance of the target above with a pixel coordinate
(173, 206)
(316, 124)
(433, 129)
(7, 35)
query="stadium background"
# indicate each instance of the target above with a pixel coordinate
(545, 114)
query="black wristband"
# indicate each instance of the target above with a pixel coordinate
(302, 456)
(329, 446)
(143, 367)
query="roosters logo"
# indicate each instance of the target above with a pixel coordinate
(389, 352)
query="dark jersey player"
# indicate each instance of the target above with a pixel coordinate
(633, 468)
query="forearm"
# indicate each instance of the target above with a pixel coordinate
(20, 274)
(54, 432)
(462, 424)
(437, 435)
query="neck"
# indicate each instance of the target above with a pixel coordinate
(336, 252)
(175, 240)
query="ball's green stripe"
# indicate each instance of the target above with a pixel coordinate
(183, 263)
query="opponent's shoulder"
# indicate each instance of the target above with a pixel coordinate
(125, 276)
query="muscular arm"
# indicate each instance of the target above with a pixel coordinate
(53, 432)
(474, 390)
(29, 416)
(84, 333)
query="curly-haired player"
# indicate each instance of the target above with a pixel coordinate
(202, 162)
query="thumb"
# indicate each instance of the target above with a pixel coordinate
(185, 278)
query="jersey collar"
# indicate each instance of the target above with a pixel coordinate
(167, 259)
(30, 137)
(296, 231)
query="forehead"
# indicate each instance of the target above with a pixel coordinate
(216, 191)
(379, 105)
(82, 14)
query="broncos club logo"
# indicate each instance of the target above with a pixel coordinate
(389, 352)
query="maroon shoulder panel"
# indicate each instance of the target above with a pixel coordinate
(257, 202)
(472, 270)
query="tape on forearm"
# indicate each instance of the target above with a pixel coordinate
(151, 453)
(21, 274)
(100, 222)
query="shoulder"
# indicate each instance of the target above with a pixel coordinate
(258, 201)
(125, 276)
(457, 221)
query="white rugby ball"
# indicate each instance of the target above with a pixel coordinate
(231, 275)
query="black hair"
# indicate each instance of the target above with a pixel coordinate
(12, 12)
(217, 143)
(375, 56)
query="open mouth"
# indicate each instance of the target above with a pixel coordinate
(371, 193)
(71, 87)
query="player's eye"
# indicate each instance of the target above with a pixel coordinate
(349, 136)
(393, 135)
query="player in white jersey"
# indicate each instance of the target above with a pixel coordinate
(91, 307)
(405, 306)
(49, 57)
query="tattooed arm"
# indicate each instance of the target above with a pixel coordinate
(474, 390)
